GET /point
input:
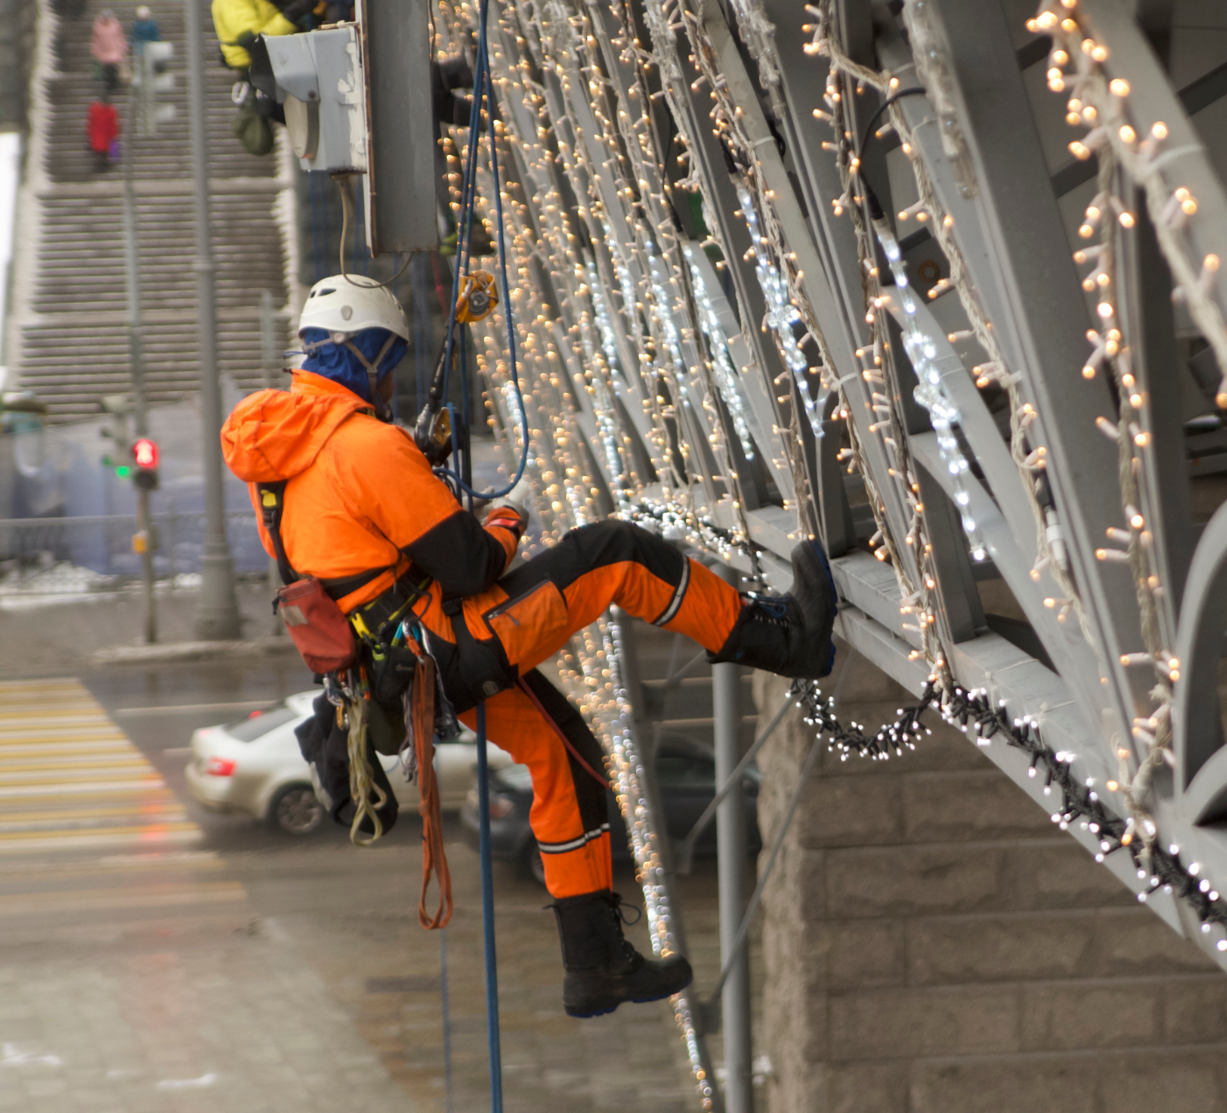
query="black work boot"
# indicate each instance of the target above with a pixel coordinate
(789, 635)
(602, 968)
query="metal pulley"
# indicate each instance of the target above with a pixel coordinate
(477, 299)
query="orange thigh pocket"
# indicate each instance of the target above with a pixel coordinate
(523, 624)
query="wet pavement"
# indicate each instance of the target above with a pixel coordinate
(154, 956)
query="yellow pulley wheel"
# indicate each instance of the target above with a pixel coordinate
(477, 299)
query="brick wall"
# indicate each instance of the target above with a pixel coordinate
(933, 945)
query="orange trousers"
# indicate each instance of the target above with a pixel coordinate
(526, 618)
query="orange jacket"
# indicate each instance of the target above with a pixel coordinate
(360, 495)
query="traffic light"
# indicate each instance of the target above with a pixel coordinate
(150, 78)
(145, 456)
(119, 406)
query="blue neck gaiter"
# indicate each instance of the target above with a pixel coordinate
(337, 362)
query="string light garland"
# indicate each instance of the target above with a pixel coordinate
(638, 406)
(1153, 730)
(974, 713)
(1076, 65)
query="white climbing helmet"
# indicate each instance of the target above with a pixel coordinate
(347, 304)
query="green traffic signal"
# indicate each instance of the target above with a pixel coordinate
(123, 471)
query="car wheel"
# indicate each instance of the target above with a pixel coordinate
(532, 863)
(296, 811)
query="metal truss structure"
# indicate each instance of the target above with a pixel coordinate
(936, 281)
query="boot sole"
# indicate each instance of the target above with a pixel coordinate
(605, 1011)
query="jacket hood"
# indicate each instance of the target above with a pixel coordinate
(274, 434)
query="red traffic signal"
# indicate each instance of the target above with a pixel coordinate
(145, 456)
(145, 453)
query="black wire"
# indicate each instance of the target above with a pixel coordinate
(875, 206)
(915, 90)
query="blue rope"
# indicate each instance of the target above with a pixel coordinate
(481, 80)
(462, 480)
(487, 914)
(447, 1019)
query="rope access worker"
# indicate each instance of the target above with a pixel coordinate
(364, 512)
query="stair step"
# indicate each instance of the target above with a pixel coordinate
(75, 346)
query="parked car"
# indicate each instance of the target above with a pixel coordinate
(685, 772)
(254, 766)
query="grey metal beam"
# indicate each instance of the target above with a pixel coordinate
(961, 616)
(731, 851)
(1044, 316)
(838, 530)
(833, 323)
(1182, 160)
(629, 660)
(1150, 325)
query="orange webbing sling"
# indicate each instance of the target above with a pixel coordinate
(434, 861)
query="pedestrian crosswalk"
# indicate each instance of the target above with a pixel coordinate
(70, 778)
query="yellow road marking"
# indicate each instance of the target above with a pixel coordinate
(9, 750)
(156, 810)
(7, 769)
(162, 830)
(63, 787)
(97, 899)
(71, 778)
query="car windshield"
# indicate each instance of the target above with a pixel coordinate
(259, 723)
(516, 776)
(676, 769)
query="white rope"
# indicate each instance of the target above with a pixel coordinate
(361, 777)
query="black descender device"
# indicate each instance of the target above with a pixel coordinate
(433, 431)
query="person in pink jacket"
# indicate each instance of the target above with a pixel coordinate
(109, 46)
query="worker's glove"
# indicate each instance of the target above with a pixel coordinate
(511, 510)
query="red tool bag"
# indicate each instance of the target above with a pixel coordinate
(316, 625)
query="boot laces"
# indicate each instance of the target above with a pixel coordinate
(773, 610)
(620, 911)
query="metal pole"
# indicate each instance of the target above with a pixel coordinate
(731, 851)
(645, 745)
(217, 612)
(268, 357)
(136, 337)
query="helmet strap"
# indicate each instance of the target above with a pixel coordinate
(382, 409)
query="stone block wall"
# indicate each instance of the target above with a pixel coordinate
(933, 944)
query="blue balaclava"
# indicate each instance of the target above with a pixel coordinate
(337, 362)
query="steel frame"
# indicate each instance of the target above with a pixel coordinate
(596, 100)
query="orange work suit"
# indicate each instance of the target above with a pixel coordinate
(360, 498)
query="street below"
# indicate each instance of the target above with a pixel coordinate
(156, 956)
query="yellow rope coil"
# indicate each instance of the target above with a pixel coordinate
(361, 778)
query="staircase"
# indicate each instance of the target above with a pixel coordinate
(68, 340)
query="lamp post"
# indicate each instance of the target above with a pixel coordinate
(217, 612)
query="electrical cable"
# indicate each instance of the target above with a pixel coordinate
(346, 206)
(912, 91)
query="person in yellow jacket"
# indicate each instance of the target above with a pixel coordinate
(238, 22)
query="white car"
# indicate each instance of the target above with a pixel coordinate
(254, 766)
